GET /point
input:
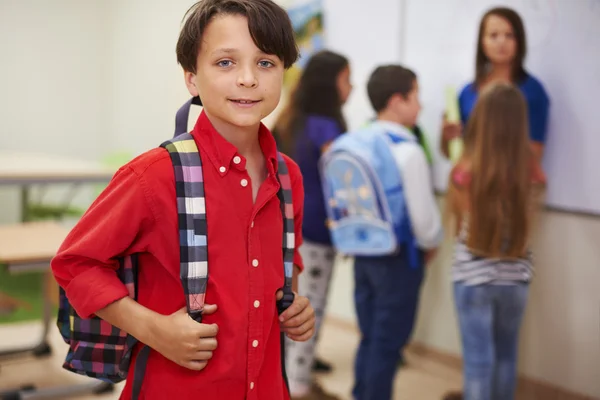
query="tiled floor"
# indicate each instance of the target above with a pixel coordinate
(421, 379)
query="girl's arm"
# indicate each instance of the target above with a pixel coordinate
(457, 195)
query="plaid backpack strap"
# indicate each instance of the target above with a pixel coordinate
(193, 250)
(289, 242)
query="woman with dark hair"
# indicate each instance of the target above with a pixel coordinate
(501, 50)
(311, 121)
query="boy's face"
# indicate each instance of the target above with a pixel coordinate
(239, 84)
(410, 106)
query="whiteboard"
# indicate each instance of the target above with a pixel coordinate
(563, 38)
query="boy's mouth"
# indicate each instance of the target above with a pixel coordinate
(244, 102)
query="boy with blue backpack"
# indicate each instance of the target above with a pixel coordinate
(179, 277)
(383, 212)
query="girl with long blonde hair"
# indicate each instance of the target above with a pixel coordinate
(493, 190)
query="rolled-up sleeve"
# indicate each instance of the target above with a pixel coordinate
(117, 223)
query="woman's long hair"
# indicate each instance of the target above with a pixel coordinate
(316, 93)
(496, 146)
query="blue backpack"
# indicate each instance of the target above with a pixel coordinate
(364, 195)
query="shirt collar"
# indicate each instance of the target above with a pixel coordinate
(221, 153)
(392, 127)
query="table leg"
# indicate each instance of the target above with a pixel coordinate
(25, 203)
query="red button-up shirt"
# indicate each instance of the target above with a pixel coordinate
(137, 213)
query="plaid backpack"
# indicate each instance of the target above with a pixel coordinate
(103, 351)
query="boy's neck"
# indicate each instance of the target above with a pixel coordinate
(389, 117)
(245, 139)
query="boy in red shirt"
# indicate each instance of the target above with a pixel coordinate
(233, 53)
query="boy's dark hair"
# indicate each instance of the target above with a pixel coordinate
(269, 25)
(388, 80)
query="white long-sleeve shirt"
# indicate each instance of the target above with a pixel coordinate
(416, 179)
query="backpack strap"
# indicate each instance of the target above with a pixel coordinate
(191, 210)
(289, 239)
(412, 247)
(289, 243)
(193, 250)
(183, 114)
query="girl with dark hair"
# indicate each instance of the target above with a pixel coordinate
(312, 119)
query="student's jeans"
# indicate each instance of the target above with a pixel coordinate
(490, 317)
(386, 295)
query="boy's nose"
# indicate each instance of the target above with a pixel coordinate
(247, 78)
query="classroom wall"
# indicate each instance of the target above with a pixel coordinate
(54, 81)
(105, 70)
(147, 84)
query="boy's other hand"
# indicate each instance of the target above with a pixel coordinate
(298, 321)
(184, 341)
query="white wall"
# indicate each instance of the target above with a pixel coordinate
(53, 76)
(368, 32)
(53, 81)
(147, 85)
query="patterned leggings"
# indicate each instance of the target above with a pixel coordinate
(314, 284)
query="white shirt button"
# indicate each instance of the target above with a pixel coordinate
(255, 343)
(244, 182)
(256, 304)
(237, 160)
(255, 263)
(251, 385)
(222, 169)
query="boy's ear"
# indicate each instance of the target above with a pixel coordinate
(399, 98)
(190, 82)
(394, 101)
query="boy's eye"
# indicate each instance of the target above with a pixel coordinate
(266, 64)
(224, 63)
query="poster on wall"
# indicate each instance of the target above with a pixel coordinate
(307, 20)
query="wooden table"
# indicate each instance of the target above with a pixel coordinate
(24, 169)
(30, 244)
(25, 247)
